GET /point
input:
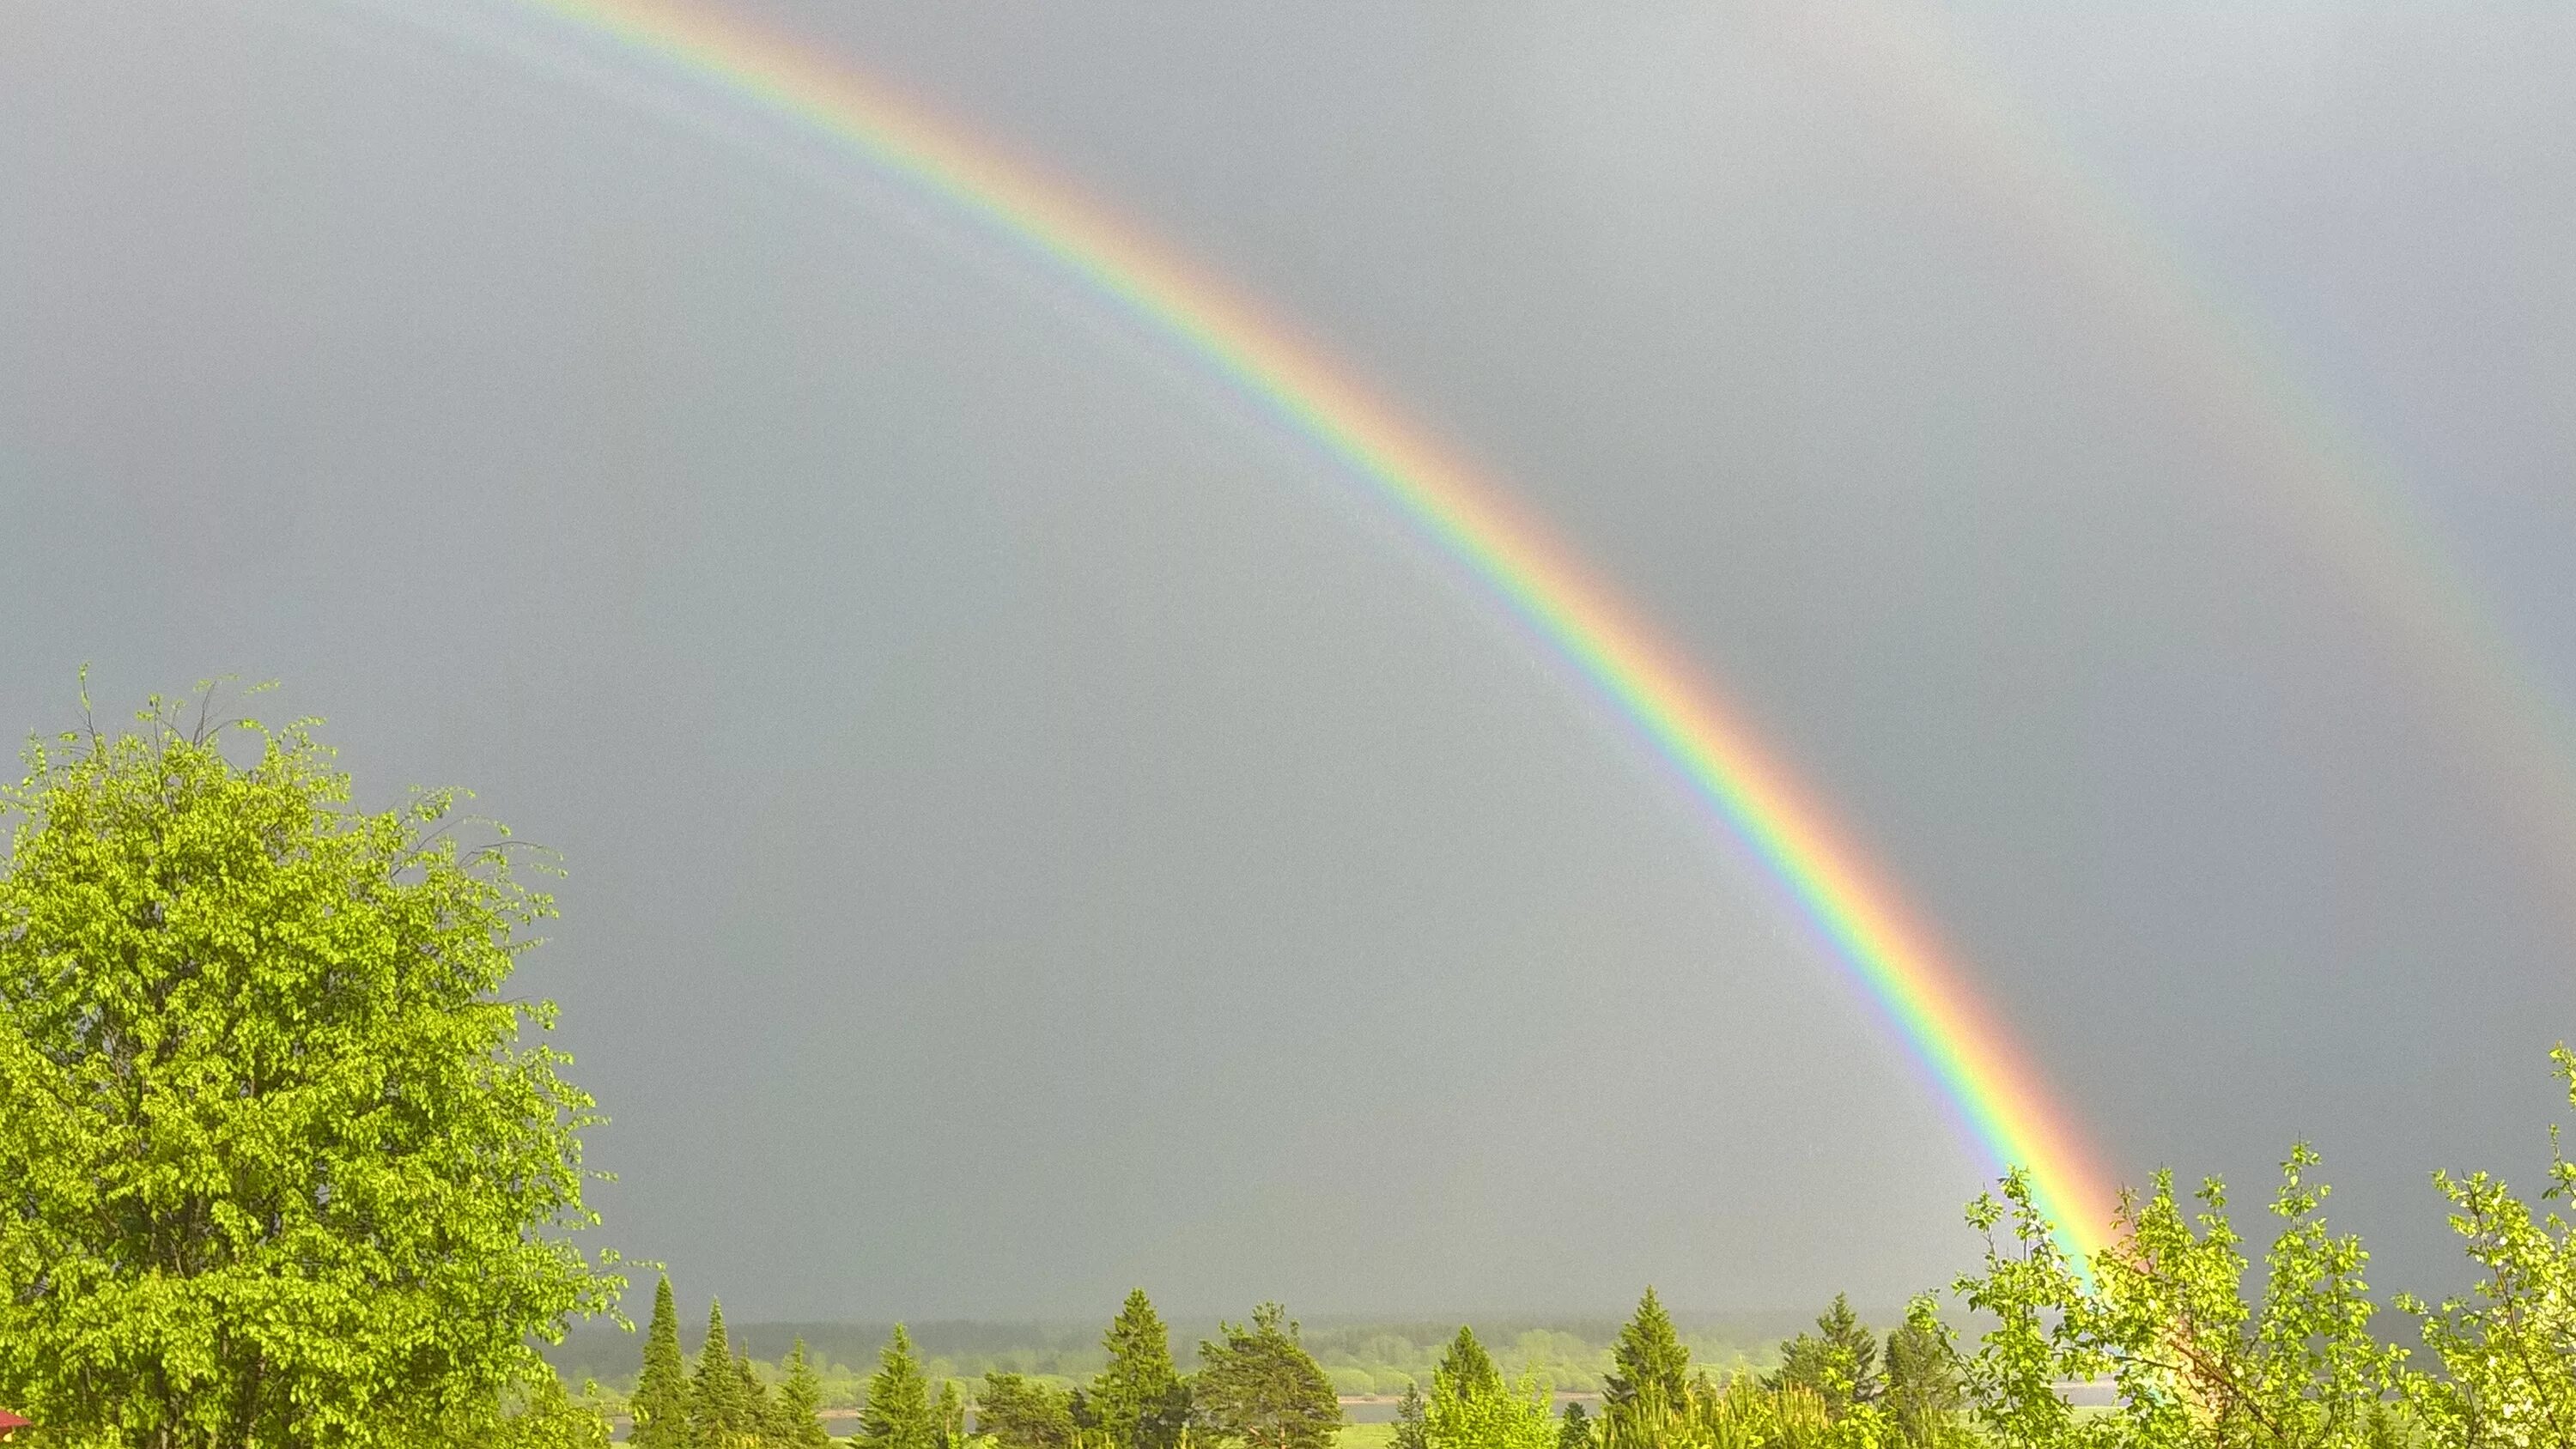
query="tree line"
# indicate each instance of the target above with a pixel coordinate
(282, 1166)
(1255, 1385)
(1365, 1358)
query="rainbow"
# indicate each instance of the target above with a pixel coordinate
(1995, 1092)
(2317, 485)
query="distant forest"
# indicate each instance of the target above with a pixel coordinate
(1363, 1357)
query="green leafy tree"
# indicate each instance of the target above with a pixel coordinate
(2165, 1318)
(1021, 1413)
(797, 1420)
(1839, 1361)
(1258, 1385)
(948, 1415)
(1649, 1380)
(1507, 1416)
(2507, 1349)
(717, 1413)
(897, 1414)
(1747, 1414)
(1925, 1396)
(1740, 1414)
(661, 1401)
(1139, 1400)
(549, 1418)
(283, 1165)
(2027, 1286)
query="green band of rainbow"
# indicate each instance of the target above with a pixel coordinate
(1996, 1094)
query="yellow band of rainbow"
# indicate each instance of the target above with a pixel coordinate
(1997, 1095)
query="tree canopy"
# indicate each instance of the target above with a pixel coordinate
(1839, 1361)
(661, 1400)
(1020, 1413)
(1139, 1401)
(1649, 1362)
(286, 1169)
(898, 1413)
(1259, 1386)
(285, 1166)
(797, 1422)
(1472, 1408)
(1924, 1395)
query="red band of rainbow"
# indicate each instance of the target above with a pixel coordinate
(1996, 1093)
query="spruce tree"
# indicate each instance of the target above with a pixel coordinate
(948, 1416)
(1139, 1401)
(1575, 1430)
(799, 1409)
(715, 1394)
(756, 1414)
(1410, 1432)
(1018, 1413)
(1845, 1329)
(661, 1401)
(1467, 1369)
(1649, 1365)
(897, 1413)
(1472, 1408)
(1926, 1394)
(1855, 1345)
(1839, 1361)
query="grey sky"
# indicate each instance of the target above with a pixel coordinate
(1034, 832)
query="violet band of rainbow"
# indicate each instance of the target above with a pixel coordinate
(1994, 1091)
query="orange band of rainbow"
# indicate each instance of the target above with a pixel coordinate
(2000, 1097)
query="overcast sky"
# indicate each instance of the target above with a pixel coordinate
(1034, 832)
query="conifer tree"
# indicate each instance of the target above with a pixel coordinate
(1139, 1401)
(1649, 1364)
(1839, 1361)
(1575, 1430)
(755, 1413)
(948, 1416)
(1019, 1413)
(897, 1413)
(1409, 1431)
(1842, 1328)
(1472, 1408)
(661, 1401)
(1261, 1388)
(1467, 1370)
(715, 1393)
(799, 1410)
(1925, 1394)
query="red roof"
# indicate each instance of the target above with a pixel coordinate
(10, 1421)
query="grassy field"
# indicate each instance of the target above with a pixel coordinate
(1366, 1436)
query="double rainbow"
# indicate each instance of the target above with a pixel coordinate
(1996, 1094)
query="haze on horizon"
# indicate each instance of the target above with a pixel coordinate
(1034, 832)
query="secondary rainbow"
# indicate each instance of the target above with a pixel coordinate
(1993, 1090)
(2304, 472)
